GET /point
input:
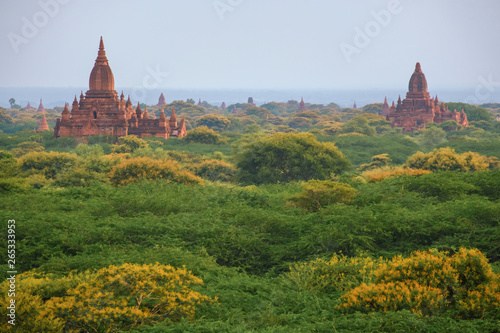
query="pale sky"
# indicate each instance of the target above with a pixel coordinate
(251, 44)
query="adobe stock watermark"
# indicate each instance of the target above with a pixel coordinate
(224, 6)
(150, 81)
(484, 90)
(372, 29)
(31, 27)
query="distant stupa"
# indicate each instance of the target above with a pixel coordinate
(223, 106)
(42, 124)
(385, 108)
(40, 107)
(29, 107)
(354, 106)
(250, 100)
(161, 100)
(199, 102)
(302, 105)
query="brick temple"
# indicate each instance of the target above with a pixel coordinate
(418, 108)
(101, 111)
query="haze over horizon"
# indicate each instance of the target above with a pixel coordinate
(240, 44)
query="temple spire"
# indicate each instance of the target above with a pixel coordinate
(101, 54)
(42, 125)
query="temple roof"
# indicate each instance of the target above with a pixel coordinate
(418, 83)
(101, 77)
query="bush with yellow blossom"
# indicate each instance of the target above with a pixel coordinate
(430, 282)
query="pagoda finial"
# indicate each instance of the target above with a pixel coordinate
(101, 54)
(417, 67)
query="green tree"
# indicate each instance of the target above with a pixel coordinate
(203, 134)
(474, 113)
(359, 124)
(12, 101)
(449, 125)
(128, 144)
(318, 194)
(213, 121)
(448, 159)
(431, 137)
(284, 157)
(300, 123)
(378, 161)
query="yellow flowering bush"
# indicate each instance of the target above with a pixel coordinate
(134, 169)
(113, 298)
(379, 174)
(340, 273)
(430, 282)
(130, 295)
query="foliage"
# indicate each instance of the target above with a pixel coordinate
(214, 122)
(431, 137)
(203, 134)
(27, 147)
(318, 194)
(381, 173)
(339, 274)
(48, 164)
(448, 159)
(359, 124)
(130, 295)
(378, 161)
(139, 168)
(473, 112)
(128, 144)
(429, 282)
(284, 157)
(214, 170)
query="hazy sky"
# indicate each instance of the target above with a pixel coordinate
(251, 44)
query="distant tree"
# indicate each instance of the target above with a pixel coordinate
(203, 134)
(48, 164)
(374, 108)
(214, 170)
(213, 121)
(378, 161)
(261, 113)
(450, 125)
(143, 168)
(128, 144)
(474, 113)
(448, 159)
(190, 101)
(486, 125)
(431, 137)
(5, 118)
(284, 157)
(300, 123)
(318, 194)
(308, 114)
(12, 101)
(359, 124)
(252, 128)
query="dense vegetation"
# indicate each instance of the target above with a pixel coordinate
(248, 225)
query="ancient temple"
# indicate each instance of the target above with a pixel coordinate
(29, 107)
(42, 124)
(161, 100)
(40, 107)
(385, 108)
(302, 105)
(418, 108)
(101, 111)
(223, 106)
